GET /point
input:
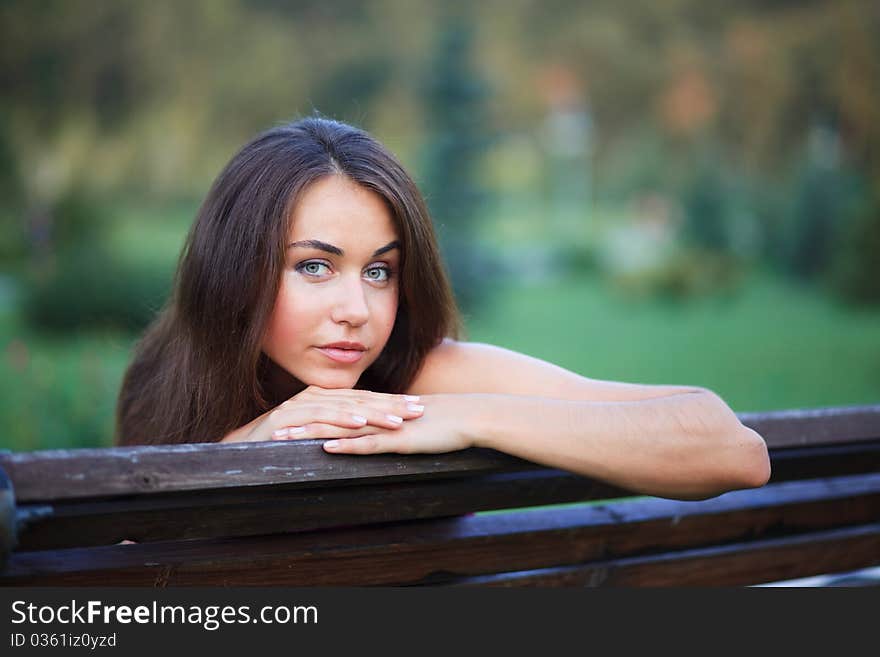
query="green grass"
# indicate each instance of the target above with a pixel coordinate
(774, 346)
(59, 392)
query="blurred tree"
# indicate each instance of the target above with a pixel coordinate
(855, 269)
(150, 98)
(458, 137)
(12, 239)
(705, 204)
(818, 196)
(88, 286)
(348, 91)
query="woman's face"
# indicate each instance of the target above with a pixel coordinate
(338, 296)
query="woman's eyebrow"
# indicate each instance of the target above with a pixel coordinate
(335, 250)
(318, 244)
(388, 247)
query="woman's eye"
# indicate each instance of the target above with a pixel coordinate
(380, 274)
(313, 268)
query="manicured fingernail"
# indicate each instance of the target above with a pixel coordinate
(411, 397)
(295, 430)
(331, 444)
(415, 408)
(359, 419)
(280, 433)
(395, 419)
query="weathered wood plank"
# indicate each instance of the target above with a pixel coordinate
(815, 426)
(249, 510)
(442, 550)
(277, 509)
(86, 473)
(741, 564)
(811, 462)
(8, 523)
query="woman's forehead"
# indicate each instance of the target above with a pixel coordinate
(337, 207)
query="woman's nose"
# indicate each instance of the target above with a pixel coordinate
(350, 306)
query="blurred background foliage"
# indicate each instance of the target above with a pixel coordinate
(678, 192)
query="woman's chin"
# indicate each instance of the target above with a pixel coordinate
(332, 380)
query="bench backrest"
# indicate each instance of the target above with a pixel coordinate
(287, 513)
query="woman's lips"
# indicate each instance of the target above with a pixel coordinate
(342, 355)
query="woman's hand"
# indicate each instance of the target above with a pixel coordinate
(451, 423)
(330, 413)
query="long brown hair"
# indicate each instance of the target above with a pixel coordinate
(199, 372)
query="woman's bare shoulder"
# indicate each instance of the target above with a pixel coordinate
(449, 367)
(458, 367)
(473, 367)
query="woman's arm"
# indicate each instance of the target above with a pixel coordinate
(672, 441)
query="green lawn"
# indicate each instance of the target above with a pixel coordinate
(775, 346)
(59, 392)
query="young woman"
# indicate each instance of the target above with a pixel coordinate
(310, 302)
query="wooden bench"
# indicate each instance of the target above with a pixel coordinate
(289, 514)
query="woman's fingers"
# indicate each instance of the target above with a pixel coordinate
(299, 418)
(288, 432)
(326, 413)
(378, 444)
(317, 431)
(360, 394)
(346, 415)
(395, 405)
(403, 406)
(298, 415)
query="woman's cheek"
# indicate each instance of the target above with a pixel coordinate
(291, 315)
(389, 313)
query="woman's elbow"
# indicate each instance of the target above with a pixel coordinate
(760, 469)
(745, 462)
(750, 464)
